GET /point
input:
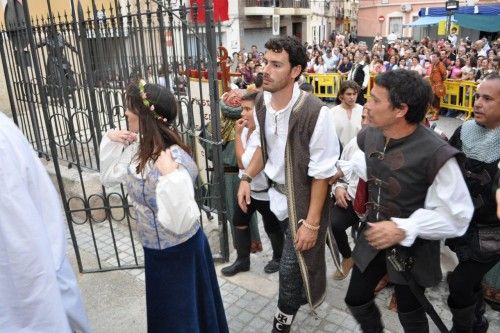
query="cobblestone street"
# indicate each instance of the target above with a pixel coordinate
(250, 298)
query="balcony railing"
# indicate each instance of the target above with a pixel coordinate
(278, 3)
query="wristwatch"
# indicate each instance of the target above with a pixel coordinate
(246, 178)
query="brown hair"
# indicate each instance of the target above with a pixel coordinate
(156, 135)
(349, 84)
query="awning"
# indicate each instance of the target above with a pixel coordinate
(492, 9)
(489, 23)
(426, 20)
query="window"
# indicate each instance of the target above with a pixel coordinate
(396, 25)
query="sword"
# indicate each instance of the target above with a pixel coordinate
(404, 266)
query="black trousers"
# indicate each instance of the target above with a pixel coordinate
(343, 218)
(465, 282)
(362, 285)
(271, 222)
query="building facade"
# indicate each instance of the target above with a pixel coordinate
(393, 16)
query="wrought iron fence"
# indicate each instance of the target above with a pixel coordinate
(66, 75)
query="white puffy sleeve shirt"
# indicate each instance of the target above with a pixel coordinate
(323, 148)
(177, 208)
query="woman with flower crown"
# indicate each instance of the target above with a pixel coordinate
(182, 293)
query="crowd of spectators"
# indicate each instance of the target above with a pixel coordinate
(462, 58)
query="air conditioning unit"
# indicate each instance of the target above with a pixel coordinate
(405, 8)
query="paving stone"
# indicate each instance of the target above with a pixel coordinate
(245, 316)
(233, 310)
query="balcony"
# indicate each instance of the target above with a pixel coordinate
(277, 7)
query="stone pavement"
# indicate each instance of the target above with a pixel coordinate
(116, 300)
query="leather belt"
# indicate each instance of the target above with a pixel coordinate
(281, 188)
(231, 169)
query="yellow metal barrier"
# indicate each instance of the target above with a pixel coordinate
(328, 85)
(459, 96)
(325, 85)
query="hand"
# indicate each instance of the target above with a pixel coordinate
(305, 238)
(122, 136)
(341, 197)
(384, 234)
(165, 163)
(240, 125)
(333, 179)
(244, 196)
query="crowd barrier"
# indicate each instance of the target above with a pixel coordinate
(459, 94)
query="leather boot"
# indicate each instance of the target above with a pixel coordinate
(276, 239)
(414, 321)
(368, 317)
(480, 322)
(282, 322)
(242, 245)
(463, 319)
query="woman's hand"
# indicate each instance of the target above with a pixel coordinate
(122, 136)
(165, 163)
(239, 126)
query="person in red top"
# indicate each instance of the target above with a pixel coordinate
(437, 77)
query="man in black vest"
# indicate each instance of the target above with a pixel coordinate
(299, 149)
(360, 74)
(416, 196)
(479, 139)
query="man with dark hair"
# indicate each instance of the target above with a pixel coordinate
(298, 152)
(416, 196)
(246, 141)
(479, 139)
(359, 73)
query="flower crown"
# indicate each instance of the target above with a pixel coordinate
(147, 103)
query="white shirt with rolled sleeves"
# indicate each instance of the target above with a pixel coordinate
(259, 182)
(323, 147)
(350, 182)
(447, 209)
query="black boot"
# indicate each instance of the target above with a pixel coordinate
(276, 239)
(480, 322)
(242, 245)
(463, 319)
(414, 321)
(368, 317)
(282, 322)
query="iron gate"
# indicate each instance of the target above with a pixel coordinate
(66, 74)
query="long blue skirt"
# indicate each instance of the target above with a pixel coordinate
(182, 293)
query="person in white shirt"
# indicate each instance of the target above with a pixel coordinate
(298, 152)
(360, 73)
(347, 114)
(38, 289)
(319, 66)
(330, 60)
(416, 196)
(344, 216)
(246, 142)
(453, 38)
